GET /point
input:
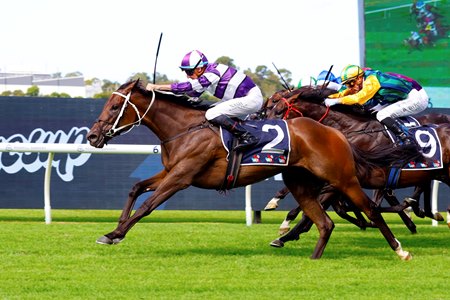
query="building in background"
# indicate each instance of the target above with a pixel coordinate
(73, 86)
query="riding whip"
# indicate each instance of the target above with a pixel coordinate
(286, 86)
(156, 59)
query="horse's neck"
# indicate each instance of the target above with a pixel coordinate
(352, 127)
(167, 119)
(333, 119)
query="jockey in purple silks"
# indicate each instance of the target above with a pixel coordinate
(239, 96)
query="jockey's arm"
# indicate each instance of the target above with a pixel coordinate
(370, 88)
(159, 87)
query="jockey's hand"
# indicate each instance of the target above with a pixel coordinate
(194, 100)
(330, 102)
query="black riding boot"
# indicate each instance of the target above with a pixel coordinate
(246, 139)
(395, 126)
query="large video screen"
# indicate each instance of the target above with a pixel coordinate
(411, 38)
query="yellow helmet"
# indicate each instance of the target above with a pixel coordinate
(350, 72)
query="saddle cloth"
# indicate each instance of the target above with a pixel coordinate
(428, 141)
(273, 147)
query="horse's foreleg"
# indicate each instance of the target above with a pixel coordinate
(138, 189)
(166, 188)
(392, 200)
(273, 203)
(292, 214)
(304, 225)
(359, 221)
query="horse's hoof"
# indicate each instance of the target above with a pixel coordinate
(408, 257)
(104, 241)
(117, 240)
(277, 243)
(411, 201)
(438, 217)
(269, 207)
(283, 230)
(272, 205)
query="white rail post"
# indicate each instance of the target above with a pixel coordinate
(434, 200)
(48, 175)
(248, 205)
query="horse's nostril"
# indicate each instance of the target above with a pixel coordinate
(91, 137)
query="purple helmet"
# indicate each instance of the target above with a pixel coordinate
(193, 59)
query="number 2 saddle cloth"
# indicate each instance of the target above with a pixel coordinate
(273, 147)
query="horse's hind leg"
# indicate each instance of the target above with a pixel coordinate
(362, 201)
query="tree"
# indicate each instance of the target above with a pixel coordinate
(268, 81)
(33, 91)
(58, 95)
(74, 74)
(102, 95)
(143, 76)
(226, 61)
(18, 93)
(109, 86)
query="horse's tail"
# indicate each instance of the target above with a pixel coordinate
(382, 156)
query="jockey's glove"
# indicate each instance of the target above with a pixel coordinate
(330, 102)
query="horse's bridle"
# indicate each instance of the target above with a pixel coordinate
(291, 107)
(113, 130)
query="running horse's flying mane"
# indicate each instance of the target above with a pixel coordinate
(196, 157)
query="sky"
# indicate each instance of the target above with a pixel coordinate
(111, 39)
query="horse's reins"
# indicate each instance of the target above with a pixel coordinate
(291, 107)
(202, 125)
(113, 130)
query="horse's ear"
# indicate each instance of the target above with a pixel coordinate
(134, 83)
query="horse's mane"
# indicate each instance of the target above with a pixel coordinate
(317, 94)
(177, 99)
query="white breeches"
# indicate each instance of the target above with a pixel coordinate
(238, 107)
(416, 102)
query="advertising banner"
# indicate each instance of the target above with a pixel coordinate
(96, 181)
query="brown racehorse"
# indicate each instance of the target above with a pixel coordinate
(192, 154)
(360, 130)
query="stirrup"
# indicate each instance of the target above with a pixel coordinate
(247, 142)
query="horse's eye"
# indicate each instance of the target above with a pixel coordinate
(115, 107)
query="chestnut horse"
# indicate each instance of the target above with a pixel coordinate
(193, 154)
(364, 132)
